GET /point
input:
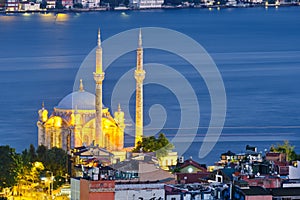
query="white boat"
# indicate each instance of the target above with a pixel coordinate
(121, 7)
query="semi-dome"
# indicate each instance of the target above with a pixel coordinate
(81, 100)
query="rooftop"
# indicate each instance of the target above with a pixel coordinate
(255, 191)
(285, 191)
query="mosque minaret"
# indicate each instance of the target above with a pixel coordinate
(81, 119)
(139, 75)
(99, 77)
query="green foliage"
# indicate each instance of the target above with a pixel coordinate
(126, 2)
(161, 146)
(56, 161)
(53, 160)
(78, 5)
(58, 4)
(26, 168)
(42, 153)
(9, 160)
(32, 154)
(59, 180)
(175, 170)
(287, 149)
(43, 5)
(173, 2)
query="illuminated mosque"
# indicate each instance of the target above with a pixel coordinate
(81, 119)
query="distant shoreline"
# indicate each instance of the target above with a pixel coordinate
(168, 7)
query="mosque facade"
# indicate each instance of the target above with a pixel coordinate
(81, 119)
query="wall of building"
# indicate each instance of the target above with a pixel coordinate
(30, 6)
(189, 169)
(257, 197)
(12, 5)
(294, 171)
(136, 194)
(50, 4)
(141, 4)
(173, 197)
(75, 189)
(103, 195)
(67, 3)
(84, 189)
(264, 182)
(2, 4)
(92, 190)
(169, 160)
(134, 191)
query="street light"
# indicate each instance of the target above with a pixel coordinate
(51, 188)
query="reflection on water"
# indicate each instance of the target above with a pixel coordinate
(47, 17)
(62, 17)
(7, 18)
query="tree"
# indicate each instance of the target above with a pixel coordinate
(32, 154)
(58, 4)
(35, 171)
(161, 146)
(173, 2)
(26, 168)
(57, 161)
(29, 156)
(54, 160)
(126, 2)
(8, 166)
(43, 5)
(78, 5)
(162, 141)
(25, 156)
(41, 153)
(285, 148)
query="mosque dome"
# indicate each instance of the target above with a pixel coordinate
(81, 100)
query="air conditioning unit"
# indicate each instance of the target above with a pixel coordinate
(181, 159)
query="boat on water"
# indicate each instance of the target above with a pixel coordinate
(121, 7)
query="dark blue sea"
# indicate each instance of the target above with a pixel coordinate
(256, 50)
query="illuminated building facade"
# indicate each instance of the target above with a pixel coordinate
(67, 3)
(142, 4)
(67, 127)
(80, 118)
(12, 5)
(50, 4)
